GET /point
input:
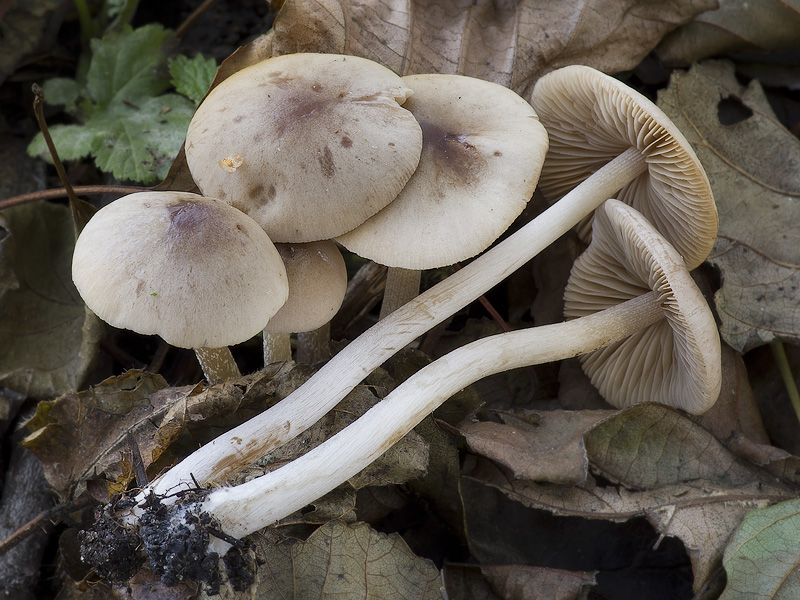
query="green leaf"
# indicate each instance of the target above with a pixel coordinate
(762, 559)
(61, 91)
(192, 76)
(125, 66)
(140, 143)
(49, 339)
(71, 142)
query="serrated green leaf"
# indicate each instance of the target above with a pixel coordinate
(126, 66)
(71, 142)
(192, 76)
(61, 91)
(140, 143)
(762, 559)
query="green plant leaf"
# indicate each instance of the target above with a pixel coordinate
(192, 76)
(71, 141)
(126, 66)
(762, 559)
(61, 91)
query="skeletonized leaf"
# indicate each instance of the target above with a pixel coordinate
(754, 169)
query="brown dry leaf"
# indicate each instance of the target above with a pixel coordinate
(537, 445)
(671, 471)
(519, 582)
(511, 43)
(737, 25)
(343, 561)
(752, 166)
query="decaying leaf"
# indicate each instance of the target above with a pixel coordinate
(537, 445)
(763, 558)
(344, 561)
(508, 43)
(753, 168)
(49, 339)
(737, 25)
(518, 582)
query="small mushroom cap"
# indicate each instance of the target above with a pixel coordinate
(677, 360)
(317, 284)
(593, 118)
(193, 270)
(309, 145)
(482, 151)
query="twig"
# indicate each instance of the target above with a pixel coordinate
(82, 190)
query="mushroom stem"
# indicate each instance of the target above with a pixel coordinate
(277, 347)
(217, 364)
(263, 500)
(314, 346)
(240, 446)
(401, 286)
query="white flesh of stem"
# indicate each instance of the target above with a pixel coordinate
(217, 364)
(242, 445)
(266, 499)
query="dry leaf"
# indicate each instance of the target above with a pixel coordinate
(737, 25)
(511, 43)
(753, 168)
(517, 582)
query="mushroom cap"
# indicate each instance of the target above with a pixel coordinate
(193, 270)
(482, 150)
(675, 361)
(309, 145)
(317, 283)
(593, 118)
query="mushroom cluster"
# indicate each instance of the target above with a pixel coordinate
(439, 158)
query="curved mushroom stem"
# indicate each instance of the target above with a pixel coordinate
(402, 285)
(217, 364)
(242, 445)
(277, 347)
(263, 500)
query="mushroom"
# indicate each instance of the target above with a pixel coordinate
(345, 370)
(482, 151)
(669, 328)
(317, 279)
(193, 270)
(309, 145)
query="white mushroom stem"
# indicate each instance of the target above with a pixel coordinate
(242, 445)
(217, 364)
(314, 346)
(401, 286)
(262, 501)
(277, 347)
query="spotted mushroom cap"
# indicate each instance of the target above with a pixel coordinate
(592, 118)
(482, 151)
(675, 361)
(309, 145)
(317, 283)
(193, 270)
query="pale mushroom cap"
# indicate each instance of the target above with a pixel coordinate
(675, 361)
(309, 145)
(592, 118)
(482, 151)
(193, 270)
(317, 283)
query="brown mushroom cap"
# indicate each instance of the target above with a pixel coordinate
(676, 361)
(592, 118)
(193, 270)
(317, 283)
(309, 145)
(482, 151)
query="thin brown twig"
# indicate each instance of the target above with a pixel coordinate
(81, 190)
(192, 18)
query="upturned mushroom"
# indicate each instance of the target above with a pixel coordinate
(194, 271)
(303, 407)
(309, 145)
(659, 319)
(317, 278)
(482, 151)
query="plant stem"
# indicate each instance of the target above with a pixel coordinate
(779, 353)
(234, 450)
(263, 500)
